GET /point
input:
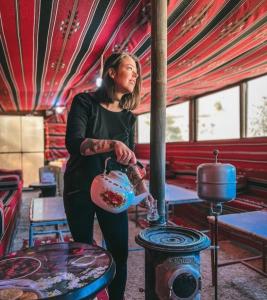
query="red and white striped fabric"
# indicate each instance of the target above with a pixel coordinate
(51, 50)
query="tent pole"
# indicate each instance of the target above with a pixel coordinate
(158, 104)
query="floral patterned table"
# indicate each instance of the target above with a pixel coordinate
(58, 271)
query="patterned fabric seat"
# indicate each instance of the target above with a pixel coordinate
(9, 182)
(10, 195)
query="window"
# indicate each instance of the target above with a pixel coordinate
(218, 115)
(144, 128)
(22, 145)
(177, 122)
(257, 107)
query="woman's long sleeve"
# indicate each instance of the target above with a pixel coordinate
(77, 123)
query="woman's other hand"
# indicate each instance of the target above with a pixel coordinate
(146, 203)
(124, 155)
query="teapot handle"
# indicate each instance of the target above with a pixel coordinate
(138, 164)
(106, 165)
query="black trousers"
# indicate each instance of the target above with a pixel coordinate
(80, 212)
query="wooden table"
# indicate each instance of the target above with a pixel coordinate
(176, 195)
(48, 211)
(179, 195)
(252, 225)
(62, 271)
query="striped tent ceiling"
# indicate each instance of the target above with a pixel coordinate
(51, 50)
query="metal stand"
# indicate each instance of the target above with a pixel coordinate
(216, 210)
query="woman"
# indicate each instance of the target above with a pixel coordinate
(100, 125)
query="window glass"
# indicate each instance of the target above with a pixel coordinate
(218, 115)
(257, 107)
(143, 128)
(177, 122)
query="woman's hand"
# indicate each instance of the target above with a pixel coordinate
(146, 203)
(124, 155)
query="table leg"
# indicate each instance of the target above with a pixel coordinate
(30, 236)
(136, 215)
(167, 212)
(264, 258)
(212, 253)
(61, 238)
(59, 233)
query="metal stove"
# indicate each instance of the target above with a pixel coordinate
(172, 262)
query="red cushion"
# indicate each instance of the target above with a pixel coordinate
(11, 172)
(9, 182)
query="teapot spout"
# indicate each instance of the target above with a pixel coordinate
(139, 198)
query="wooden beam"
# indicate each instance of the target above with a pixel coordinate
(158, 104)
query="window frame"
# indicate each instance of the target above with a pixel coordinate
(189, 104)
(243, 111)
(195, 137)
(137, 129)
(189, 123)
(246, 109)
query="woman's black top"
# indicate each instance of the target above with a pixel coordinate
(88, 119)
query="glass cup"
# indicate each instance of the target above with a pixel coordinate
(152, 214)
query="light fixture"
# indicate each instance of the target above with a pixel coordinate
(99, 78)
(98, 81)
(59, 109)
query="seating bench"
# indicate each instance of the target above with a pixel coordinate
(249, 156)
(10, 197)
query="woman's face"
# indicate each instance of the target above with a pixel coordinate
(125, 76)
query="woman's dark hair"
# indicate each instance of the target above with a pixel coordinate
(129, 101)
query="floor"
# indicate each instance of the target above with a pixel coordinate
(236, 282)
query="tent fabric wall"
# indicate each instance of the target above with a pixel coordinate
(55, 128)
(51, 50)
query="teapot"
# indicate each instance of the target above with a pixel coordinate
(113, 191)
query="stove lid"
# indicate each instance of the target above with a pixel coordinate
(173, 239)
